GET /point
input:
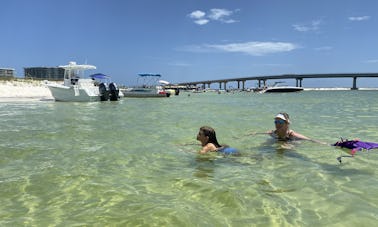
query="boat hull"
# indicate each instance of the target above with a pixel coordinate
(282, 89)
(73, 94)
(144, 93)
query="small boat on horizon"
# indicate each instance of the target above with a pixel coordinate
(76, 88)
(276, 88)
(149, 88)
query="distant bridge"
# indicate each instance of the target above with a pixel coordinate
(298, 77)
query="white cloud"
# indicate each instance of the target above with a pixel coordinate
(300, 28)
(361, 18)
(198, 14)
(221, 15)
(312, 26)
(372, 61)
(229, 21)
(250, 48)
(201, 21)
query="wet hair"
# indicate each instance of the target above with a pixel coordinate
(210, 132)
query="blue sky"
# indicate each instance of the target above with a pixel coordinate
(194, 40)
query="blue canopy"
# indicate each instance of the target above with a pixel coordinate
(149, 74)
(99, 76)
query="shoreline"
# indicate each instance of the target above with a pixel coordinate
(16, 90)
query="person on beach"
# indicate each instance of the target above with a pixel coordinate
(206, 135)
(283, 131)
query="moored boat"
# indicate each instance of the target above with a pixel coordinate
(276, 88)
(149, 88)
(76, 88)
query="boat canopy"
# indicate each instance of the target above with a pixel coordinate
(99, 76)
(164, 82)
(149, 74)
(73, 66)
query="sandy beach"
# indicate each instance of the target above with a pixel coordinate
(21, 90)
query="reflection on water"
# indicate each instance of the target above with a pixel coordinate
(135, 162)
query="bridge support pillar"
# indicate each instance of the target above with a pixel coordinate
(264, 83)
(225, 85)
(243, 85)
(355, 83)
(299, 82)
(238, 84)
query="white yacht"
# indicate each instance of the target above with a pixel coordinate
(76, 88)
(280, 88)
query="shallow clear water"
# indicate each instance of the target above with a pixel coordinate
(134, 162)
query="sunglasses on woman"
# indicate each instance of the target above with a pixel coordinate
(279, 121)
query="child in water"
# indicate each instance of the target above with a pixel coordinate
(208, 139)
(209, 142)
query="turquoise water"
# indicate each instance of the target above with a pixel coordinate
(134, 162)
